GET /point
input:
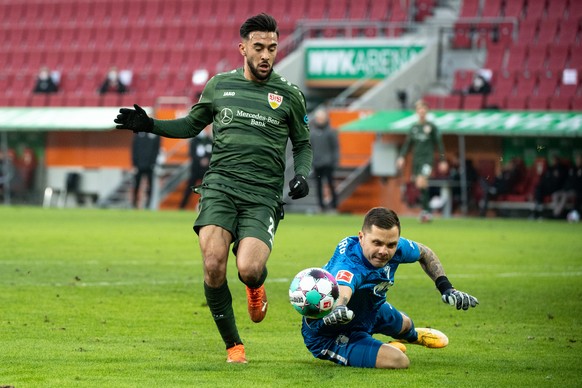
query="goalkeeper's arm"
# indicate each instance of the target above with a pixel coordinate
(340, 314)
(431, 264)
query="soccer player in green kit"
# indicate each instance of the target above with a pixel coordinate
(254, 111)
(424, 138)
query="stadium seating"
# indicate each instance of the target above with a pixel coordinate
(527, 65)
(158, 40)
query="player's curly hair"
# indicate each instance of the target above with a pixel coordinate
(261, 22)
(382, 218)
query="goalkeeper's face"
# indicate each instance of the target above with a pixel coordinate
(260, 51)
(379, 245)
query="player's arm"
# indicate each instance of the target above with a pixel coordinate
(432, 266)
(137, 120)
(341, 314)
(403, 152)
(302, 152)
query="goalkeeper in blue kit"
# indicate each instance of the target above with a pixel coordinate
(254, 112)
(364, 267)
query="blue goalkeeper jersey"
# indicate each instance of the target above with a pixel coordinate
(369, 284)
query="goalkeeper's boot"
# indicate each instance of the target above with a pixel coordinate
(431, 338)
(257, 303)
(236, 354)
(398, 345)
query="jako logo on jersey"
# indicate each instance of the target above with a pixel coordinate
(275, 100)
(346, 276)
(228, 94)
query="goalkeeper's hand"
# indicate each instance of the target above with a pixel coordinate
(136, 120)
(460, 299)
(339, 315)
(298, 187)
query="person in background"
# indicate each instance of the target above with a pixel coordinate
(364, 267)
(324, 141)
(551, 181)
(571, 191)
(200, 153)
(45, 82)
(424, 138)
(144, 155)
(479, 85)
(512, 173)
(112, 83)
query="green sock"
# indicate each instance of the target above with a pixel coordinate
(220, 303)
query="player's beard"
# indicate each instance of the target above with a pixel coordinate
(255, 71)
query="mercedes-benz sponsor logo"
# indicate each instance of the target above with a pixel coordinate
(225, 116)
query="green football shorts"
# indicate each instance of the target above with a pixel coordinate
(243, 214)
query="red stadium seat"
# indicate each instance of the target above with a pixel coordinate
(538, 103)
(469, 9)
(496, 101)
(526, 82)
(491, 8)
(495, 57)
(548, 31)
(379, 10)
(516, 59)
(338, 11)
(536, 57)
(556, 9)
(547, 83)
(463, 36)
(577, 103)
(535, 9)
(513, 8)
(568, 32)
(473, 101)
(528, 31)
(516, 103)
(451, 102)
(560, 103)
(462, 79)
(557, 56)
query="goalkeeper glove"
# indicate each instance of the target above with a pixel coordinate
(135, 120)
(339, 315)
(460, 299)
(298, 187)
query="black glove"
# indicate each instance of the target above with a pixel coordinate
(135, 120)
(460, 299)
(298, 187)
(339, 315)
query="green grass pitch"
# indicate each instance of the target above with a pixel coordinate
(114, 298)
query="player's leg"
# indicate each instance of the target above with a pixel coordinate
(251, 261)
(257, 224)
(136, 183)
(399, 326)
(214, 225)
(424, 336)
(150, 187)
(421, 182)
(360, 350)
(329, 179)
(319, 187)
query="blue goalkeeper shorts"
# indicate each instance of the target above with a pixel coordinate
(355, 348)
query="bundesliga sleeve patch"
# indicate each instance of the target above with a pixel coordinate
(344, 275)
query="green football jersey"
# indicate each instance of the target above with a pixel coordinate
(424, 139)
(251, 124)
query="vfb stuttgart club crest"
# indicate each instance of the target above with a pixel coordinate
(275, 100)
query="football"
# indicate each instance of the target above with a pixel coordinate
(313, 292)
